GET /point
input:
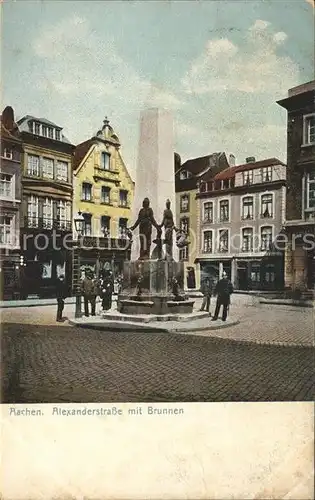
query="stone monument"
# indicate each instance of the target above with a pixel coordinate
(154, 177)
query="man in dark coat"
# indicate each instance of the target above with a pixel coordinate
(206, 289)
(106, 290)
(61, 294)
(223, 290)
(89, 291)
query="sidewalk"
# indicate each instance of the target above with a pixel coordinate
(5, 304)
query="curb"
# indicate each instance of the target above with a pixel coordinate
(145, 327)
(283, 302)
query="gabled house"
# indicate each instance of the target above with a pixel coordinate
(103, 193)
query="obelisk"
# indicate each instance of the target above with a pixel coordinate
(155, 168)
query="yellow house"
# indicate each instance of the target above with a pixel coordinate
(103, 192)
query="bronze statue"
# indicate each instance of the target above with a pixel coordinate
(169, 227)
(145, 222)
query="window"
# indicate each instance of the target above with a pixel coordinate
(266, 206)
(309, 129)
(105, 161)
(105, 225)
(87, 230)
(224, 211)
(62, 171)
(48, 213)
(8, 153)
(226, 184)
(266, 174)
(86, 191)
(57, 135)
(248, 207)
(223, 240)
(122, 228)
(6, 185)
(183, 253)
(207, 241)
(37, 128)
(33, 165)
(44, 130)
(32, 211)
(184, 203)
(48, 168)
(247, 239)
(310, 190)
(5, 230)
(61, 214)
(208, 212)
(123, 198)
(184, 225)
(266, 237)
(50, 132)
(248, 177)
(105, 194)
(184, 174)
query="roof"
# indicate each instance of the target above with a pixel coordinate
(23, 125)
(80, 151)
(229, 173)
(28, 118)
(197, 165)
(12, 135)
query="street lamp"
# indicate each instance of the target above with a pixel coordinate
(79, 223)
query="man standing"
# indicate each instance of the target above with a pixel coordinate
(89, 291)
(206, 289)
(223, 290)
(61, 294)
(106, 290)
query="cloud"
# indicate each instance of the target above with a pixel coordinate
(254, 66)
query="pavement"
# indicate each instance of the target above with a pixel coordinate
(267, 356)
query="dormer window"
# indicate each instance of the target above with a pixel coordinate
(248, 177)
(183, 175)
(266, 174)
(36, 128)
(44, 131)
(50, 132)
(57, 135)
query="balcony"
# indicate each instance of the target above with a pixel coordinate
(106, 175)
(47, 224)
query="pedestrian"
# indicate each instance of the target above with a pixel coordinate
(223, 290)
(61, 294)
(206, 289)
(106, 290)
(89, 291)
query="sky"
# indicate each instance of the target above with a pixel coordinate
(220, 66)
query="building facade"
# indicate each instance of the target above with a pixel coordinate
(46, 209)
(10, 203)
(242, 213)
(103, 193)
(187, 178)
(300, 202)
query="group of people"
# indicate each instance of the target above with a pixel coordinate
(222, 290)
(91, 288)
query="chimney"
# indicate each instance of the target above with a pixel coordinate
(250, 159)
(232, 160)
(7, 118)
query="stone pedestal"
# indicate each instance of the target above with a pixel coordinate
(155, 285)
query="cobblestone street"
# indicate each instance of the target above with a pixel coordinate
(59, 363)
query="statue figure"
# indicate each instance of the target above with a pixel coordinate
(169, 227)
(145, 221)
